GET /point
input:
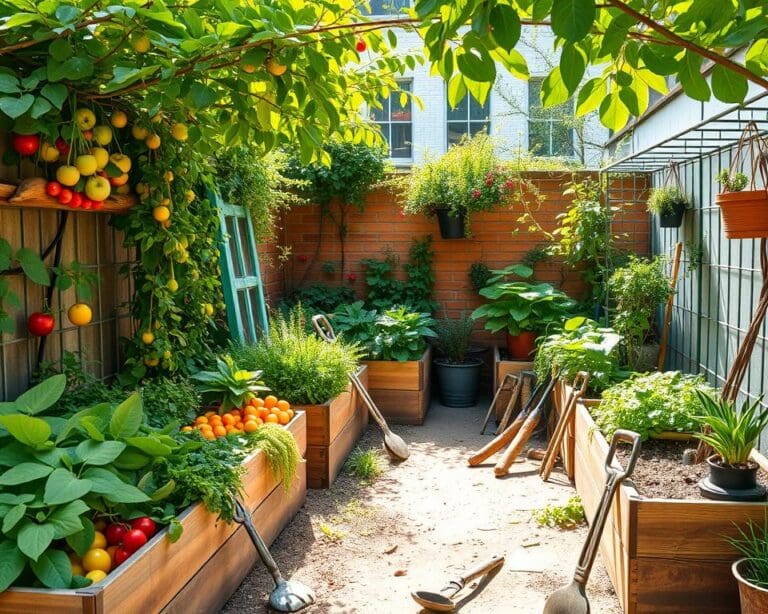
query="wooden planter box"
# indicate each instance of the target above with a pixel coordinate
(663, 555)
(401, 390)
(196, 574)
(559, 397)
(333, 428)
(500, 369)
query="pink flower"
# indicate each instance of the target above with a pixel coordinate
(302, 257)
(509, 184)
(489, 181)
(351, 278)
(476, 194)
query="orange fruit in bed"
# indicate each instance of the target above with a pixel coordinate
(270, 401)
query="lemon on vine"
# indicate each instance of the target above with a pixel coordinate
(147, 337)
(179, 132)
(172, 285)
(152, 141)
(139, 132)
(161, 213)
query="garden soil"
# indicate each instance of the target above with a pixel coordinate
(364, 548)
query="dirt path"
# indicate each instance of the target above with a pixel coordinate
(364, 548)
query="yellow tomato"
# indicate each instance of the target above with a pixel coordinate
(96, 575)
(97, 559)
(80, 314)
(99, 541)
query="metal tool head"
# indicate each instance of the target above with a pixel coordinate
(571, 599)
(433, 601)
(291, 596)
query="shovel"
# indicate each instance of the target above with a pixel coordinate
(288, 595)
(572, 599)
(393, 444)
(443, 600)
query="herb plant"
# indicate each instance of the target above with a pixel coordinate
(319, 298)
(296, 364)
(568, 516)
(230, 386)
(582, 345)
(752, 543)
(453, 336)
(650, 404)
(735, 182)
(664, 199)
(170, 399)
(637, 290)
(519, 306)
(731, 434)
(479, 274)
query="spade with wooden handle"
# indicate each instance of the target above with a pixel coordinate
(524, 434)
(576, 391)
(507, 434)
(394, 444)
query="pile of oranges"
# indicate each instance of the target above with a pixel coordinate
(258, 411)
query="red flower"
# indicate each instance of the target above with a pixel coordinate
(489, 181)
(302, 257)
(351, 278)
(476, 194)
(509, 184)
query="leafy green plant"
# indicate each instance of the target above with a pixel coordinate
(453, 336)
(582, 345)
(568, 516)
(637, 289)
(366, 465)
(29, 263)
(730, 433)
(296, 364)
(519, 306)
(650, 404)
(752, 543)
(662, 200)
(383, 289)
(229, 385)
(56, 474)
(319, 298)
(735, 182)
(479, 274)
(170, 399)
(395, 334)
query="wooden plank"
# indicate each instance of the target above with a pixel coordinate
(684, 586)
(220, 576)
(325, 421)
(502, 368)
(391, 374)
(32, 601)
(402, 406)
(30, 193)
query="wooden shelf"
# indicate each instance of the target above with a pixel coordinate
(30, 194)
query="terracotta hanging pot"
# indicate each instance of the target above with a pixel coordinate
(744, 214)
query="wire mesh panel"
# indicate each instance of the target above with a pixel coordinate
(720, 279)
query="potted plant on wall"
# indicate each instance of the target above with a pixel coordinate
(745, 212)
(458, 373)
(669, 201)
(751, 572)
(732, 435)
(523, 309)
(468, 178)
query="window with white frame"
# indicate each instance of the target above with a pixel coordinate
(467, 118)
(387, 7)
(395, 120)
(549, 131)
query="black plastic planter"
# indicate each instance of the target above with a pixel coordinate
(673, 219)
(451, 226)
(458, 384)
(726, 483)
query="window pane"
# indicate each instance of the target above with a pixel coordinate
(475, 127)
(386, 7)
(379, 115)
(460, 113)
(456, 131)
(400, 113)
(479, 112)
(562, 139)
(400, 141)
(538, 138)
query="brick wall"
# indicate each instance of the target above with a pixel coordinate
(382, 228)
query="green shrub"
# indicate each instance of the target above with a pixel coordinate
(453, 336)
(650, 404)
(296, 364)
(318, 298)
(170, 399)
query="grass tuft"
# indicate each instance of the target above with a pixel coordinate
(366, 465)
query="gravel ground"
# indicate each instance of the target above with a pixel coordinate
(364, 548)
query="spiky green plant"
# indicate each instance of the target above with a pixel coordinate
(366, 465)
(752, 542)
(228, 384)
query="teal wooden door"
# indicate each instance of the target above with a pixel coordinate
(240, 273)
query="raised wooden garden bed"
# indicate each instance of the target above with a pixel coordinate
(502, 366)
(196, 574)
(663, 555)
(401, 390)
(333, 428)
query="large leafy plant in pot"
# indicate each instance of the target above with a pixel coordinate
(524, 309)
(458, 372)
(732, 435)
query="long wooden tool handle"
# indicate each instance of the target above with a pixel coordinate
(514, 448)
(372, 409)
(670, 302)
(492, 406)
(576, 391)
(481, 569)
(498, 442)
(512, 403)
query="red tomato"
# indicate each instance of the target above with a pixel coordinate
(360, 45)
(87, 203)
(144, 524)
(53, 188)
(77, 200)
(26, 144)
(62, 146)
(133, 540)
(65, 196)
(115, 533)
(121, 555)
(98, 204)
(40, 324)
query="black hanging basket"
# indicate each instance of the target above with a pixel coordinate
(451, 226)
(673, 219)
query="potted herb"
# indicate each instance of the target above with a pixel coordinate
(745, 211)
(524, 309)
(637, 289)
(458, 373)
(732, 435)
(468, 178)
(669, 203)
(751, 572)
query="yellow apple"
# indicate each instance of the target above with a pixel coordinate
(179, 132)
(85, 119)
(86, 164)
(67, 175)
(101, 155)
(97, 188)
(121, 161)
(102, 135)
(48, 152)
(119, 180)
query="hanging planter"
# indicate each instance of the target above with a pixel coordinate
(745, 212)
(669, 201)
(451, 224)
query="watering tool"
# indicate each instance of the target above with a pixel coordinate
(288, 595)
(572, 599)
(578, 388)
(442, 601)
(394, 444)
